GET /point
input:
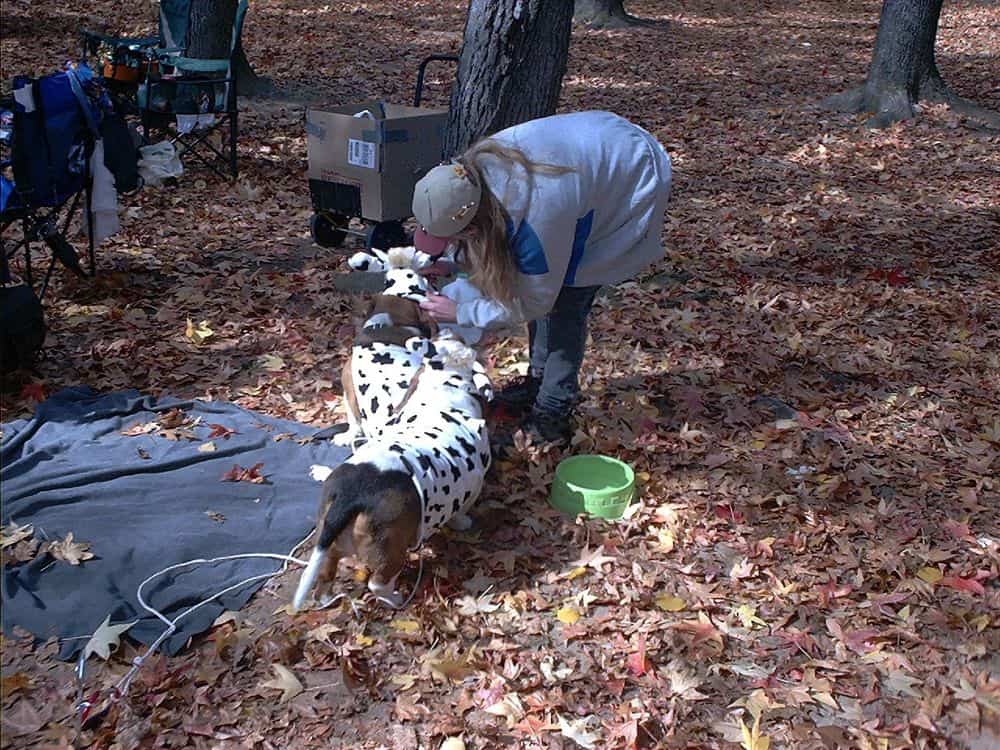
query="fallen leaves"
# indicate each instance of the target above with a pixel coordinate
(752, 738)
(930, 575)
(568, 615)
(968, 585)
(509, 707)
(106, 638)
(805, 385)
(69, 551)
(240, 474)
(198, 334)
(669, 603)
(13, 533)
(702, 632)
(12, 683)
(579, 731)
(285, 681)
(405, 626)
(638, 662)
(24, 718)
(449, 665)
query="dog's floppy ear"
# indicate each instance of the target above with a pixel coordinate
(481, 381)
(369, 263)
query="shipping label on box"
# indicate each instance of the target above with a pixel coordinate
(362, 154)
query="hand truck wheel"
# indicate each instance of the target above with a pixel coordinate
(327, 229)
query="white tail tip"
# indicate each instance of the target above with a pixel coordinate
(308, 579)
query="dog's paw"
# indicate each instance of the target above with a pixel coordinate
(320, 473)
(460, 522)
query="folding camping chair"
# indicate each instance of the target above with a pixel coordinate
(200, 94)
(127, 60)
(48, 135)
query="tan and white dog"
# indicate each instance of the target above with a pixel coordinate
(423, 469)
(380, 368)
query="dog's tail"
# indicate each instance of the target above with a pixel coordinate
(337, 519)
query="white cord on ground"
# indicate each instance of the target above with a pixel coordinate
(121, 688)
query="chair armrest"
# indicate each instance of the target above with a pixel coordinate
(120, 41)
(196, 65)
(165, 53)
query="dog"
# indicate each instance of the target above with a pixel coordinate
(380, 368)
(423, 469)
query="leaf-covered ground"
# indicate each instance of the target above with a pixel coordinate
(807, 386)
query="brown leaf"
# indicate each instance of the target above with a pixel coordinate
(285, 681)
(13, 533)
(10, 684)
(239, 474)
(220, 431)
(24, 718)
(69, 551)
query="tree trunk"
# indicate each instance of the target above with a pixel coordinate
(510, 69)
(210, 28)
(606, 14)
(903, 70)
(210, 31)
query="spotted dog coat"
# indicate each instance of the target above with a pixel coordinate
(440, 437)
(381, 373)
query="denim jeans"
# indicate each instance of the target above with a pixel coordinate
(557, 342)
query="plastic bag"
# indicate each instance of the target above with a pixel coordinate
(159, 162)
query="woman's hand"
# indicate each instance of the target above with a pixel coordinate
(440, 308)
(439, 268)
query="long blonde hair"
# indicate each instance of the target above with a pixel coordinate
(488, 257)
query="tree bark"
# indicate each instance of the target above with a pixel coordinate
(510, 69)
(606, 14)
(903, 69)
(210, 30)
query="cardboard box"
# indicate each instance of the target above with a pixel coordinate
(383, 156)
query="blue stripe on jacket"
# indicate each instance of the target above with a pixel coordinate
(529, 256)
(580, 237)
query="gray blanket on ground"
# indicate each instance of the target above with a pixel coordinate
(145, 502)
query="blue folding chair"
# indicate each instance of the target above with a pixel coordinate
(49, 128)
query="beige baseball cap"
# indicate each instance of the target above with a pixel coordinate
(445, 200)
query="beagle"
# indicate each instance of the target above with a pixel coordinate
(380, 369)
(423, 469)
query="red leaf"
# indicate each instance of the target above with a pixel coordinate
(239, 474)
(34, 391)
(727, 513)
(638, 663)
(963, 584)
(893, 277)
(960, 531)
(221, 431)
(615, 687)
(831, 590)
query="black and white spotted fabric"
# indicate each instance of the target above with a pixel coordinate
(382, 374)
(439, 437)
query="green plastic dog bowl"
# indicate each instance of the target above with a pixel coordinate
(599, 485)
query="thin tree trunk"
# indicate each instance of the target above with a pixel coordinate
(903, 69)
(510, 69)
(606, 14)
